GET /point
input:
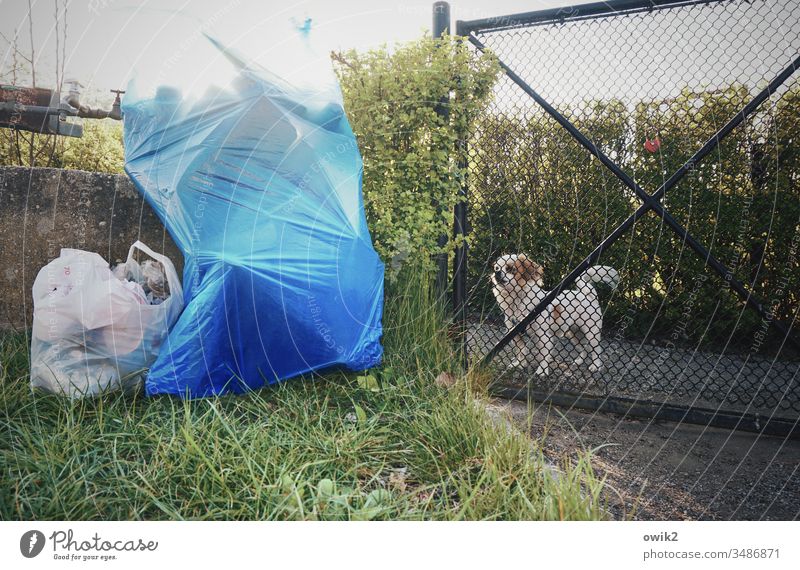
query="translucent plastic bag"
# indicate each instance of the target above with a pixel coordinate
(92, 331)
(259, 184)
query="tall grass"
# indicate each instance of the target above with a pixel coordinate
(381, 445)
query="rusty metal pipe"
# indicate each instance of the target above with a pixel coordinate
(73, 100)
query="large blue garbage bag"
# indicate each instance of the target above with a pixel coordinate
(260, 187)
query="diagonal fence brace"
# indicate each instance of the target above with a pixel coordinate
(649, 202)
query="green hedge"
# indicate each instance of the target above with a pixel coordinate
(98, 150)
(394, 101)
(533, 189)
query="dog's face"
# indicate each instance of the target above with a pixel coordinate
(514, 271)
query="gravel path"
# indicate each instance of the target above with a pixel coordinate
(680, 376)
(667, 471)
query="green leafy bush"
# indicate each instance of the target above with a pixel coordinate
(98, 150)
(394, 101)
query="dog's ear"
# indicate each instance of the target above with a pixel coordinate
(530, 270)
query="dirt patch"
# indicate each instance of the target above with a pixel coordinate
(666, 471)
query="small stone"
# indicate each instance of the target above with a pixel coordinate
(397, 479)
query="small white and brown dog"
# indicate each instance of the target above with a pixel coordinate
(574, 314)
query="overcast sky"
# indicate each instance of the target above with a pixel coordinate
(160, 42)
(107, 40)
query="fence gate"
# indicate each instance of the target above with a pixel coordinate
(652, 146)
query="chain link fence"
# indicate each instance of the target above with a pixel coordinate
(655, 143)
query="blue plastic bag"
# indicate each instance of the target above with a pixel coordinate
(260, 187)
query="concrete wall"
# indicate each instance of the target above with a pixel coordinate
(45, 209)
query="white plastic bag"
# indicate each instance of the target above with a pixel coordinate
(93, 332)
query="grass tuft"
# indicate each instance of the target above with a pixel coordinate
(385, 444)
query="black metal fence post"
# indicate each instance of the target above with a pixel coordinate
(441, 26)
(459, 234)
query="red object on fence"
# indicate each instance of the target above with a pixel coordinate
(652, 145)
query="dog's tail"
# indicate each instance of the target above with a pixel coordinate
(598, 274)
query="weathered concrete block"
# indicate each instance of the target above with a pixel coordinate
(45, 209)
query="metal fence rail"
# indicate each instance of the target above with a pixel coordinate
(634, 210)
